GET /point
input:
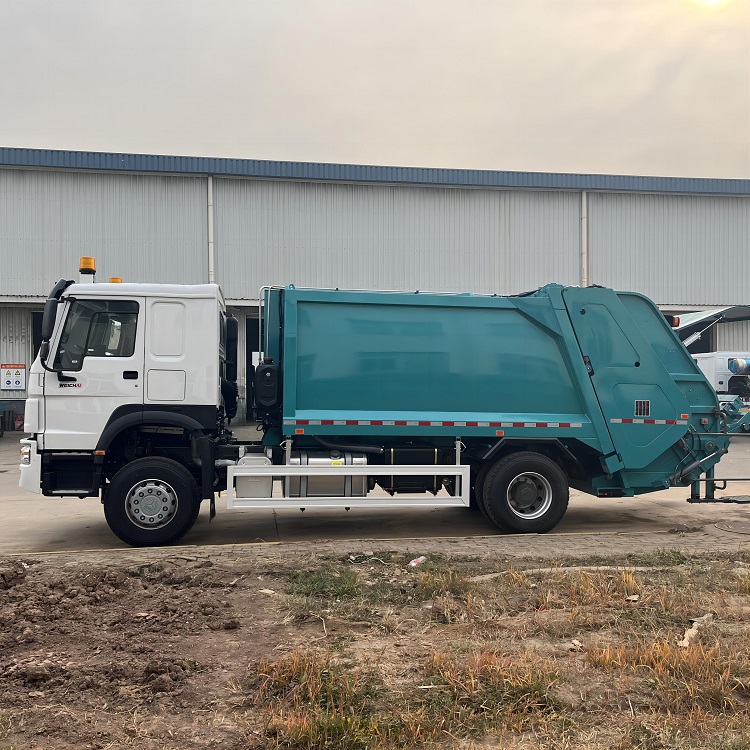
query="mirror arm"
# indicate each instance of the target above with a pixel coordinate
(61, 376)
(43, 360)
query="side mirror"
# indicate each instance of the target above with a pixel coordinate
(48, 319)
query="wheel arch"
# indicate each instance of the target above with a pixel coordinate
(200, 442)
(119, 424)
(552, 448)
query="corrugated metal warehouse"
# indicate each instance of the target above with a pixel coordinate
(247, 223)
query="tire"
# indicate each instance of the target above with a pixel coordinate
(477, 490)
(167, 494)
(525, 492)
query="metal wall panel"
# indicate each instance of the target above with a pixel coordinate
(15, 343)
(389, 237)
(140, 227)
(733, 337)
(678, 250)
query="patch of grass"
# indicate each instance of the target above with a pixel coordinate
(586, 588)
(657, 559)
(482, 684)
(741, 584)
(325, 583)
(647, 736)
(431, 584)
(490, 690)
(681, 679)
(660, 558)
(669, 735)
(311, 702)
(308, 700)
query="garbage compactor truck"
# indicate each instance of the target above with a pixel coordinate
(364, 400)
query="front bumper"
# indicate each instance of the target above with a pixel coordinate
(31, 467)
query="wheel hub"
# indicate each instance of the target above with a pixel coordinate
(529, 495)
(151, 504)
(524, 494)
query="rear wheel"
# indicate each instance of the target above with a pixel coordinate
(151, 502)
(477, 489)
(525, 492)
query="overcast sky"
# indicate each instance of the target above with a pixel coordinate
(615, 86)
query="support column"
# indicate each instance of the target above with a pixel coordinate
(585, 281)
(210, 209)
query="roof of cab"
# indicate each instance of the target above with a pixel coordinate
(185, 291)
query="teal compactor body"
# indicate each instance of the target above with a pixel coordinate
(561, 387)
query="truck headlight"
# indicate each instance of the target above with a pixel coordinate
(26, 454)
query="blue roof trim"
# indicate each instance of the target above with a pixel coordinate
(198, 165)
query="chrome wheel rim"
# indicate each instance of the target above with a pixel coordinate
(529, 495)
(151, 504)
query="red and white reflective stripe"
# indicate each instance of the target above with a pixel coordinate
(648, 421)
(409, 423)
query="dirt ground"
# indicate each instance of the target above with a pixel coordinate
(162, 649)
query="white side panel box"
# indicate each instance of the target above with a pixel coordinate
(254, 486)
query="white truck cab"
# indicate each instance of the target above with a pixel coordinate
(119, 360)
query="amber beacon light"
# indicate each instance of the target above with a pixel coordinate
(87, 265)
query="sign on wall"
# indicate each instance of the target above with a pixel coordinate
(13, 377)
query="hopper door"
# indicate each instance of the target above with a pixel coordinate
(644, 409)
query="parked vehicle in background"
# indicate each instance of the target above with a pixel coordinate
(728, 373)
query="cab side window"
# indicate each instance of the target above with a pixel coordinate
(97, 328)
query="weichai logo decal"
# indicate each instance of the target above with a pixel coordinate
(69, 385)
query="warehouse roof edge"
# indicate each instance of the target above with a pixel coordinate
(318, 171)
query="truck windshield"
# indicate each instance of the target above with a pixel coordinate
(96, 328)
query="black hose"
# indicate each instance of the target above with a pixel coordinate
(353, 448)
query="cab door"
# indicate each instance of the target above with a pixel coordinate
(98, 359)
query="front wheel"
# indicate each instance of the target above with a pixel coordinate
(151, 502)
(525, 492)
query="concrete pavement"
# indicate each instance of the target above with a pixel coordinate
(32, 524)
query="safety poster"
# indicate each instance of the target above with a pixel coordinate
(13, 377)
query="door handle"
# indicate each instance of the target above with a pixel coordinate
(130, 375)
